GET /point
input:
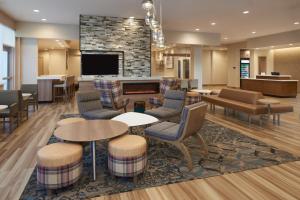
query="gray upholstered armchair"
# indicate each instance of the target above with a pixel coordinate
(90, 107)
(192, 119)
(174, 101)
(11, 99)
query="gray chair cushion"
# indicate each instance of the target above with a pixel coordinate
(163, 112)
(101, 114)
(174, 99)
(164, 131)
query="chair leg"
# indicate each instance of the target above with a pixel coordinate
(202, 144)
(186, 154)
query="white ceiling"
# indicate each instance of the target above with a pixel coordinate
(265, 17)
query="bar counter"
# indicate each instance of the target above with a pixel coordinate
(271, 87)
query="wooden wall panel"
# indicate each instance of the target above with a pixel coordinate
(287, 62)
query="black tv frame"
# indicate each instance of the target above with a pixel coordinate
(103, 52)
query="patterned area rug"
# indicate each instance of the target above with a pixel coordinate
(229, 151)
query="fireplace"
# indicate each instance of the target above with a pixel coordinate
(141, 88)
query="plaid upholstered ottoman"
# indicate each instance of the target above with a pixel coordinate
(127, 156)
(59, 165)
(192, 98)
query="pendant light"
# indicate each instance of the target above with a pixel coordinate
(147, 5)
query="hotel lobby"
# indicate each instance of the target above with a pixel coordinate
(149, 99)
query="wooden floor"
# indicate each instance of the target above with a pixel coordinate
(17, 160)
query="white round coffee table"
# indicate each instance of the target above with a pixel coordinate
(135, 119)
(203, 92)
(3, 107)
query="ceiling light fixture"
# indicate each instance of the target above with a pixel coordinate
(197, 29)
(36, 11)
(253, 32)
(246, 12)
(225, 38)
(291, 44)
(44, 19)
(131, 17)
(296, 23)
(213, 23)
(147, 4)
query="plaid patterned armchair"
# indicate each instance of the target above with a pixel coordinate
(165, 84)
(111, 94)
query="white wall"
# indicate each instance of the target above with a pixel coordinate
(193, 38)
(29, 60)
(7, 37)
(270, 61)
(197, 57)
(215, 68)
(47, 31)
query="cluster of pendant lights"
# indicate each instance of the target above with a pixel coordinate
(152, 21)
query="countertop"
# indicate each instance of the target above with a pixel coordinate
(121, 78)
(253, 79)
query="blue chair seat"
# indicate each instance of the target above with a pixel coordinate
(163, 112)
(164, 130)
(101, 114)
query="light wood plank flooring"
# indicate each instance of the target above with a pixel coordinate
(17, 160)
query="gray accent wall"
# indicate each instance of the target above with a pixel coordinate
(132, 36)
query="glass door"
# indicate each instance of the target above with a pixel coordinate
(4, 70)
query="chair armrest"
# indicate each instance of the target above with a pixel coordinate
(13, 108)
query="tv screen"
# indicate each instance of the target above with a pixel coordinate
(99, 64)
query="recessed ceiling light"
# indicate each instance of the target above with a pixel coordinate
(131, 17)
(291, 44)
(36, 11)
(197, 29)
(246, 12)
(253, 32)
(44, 19)
(57, 40)
(225, 38)
(272, 46)
(213, 23)
(296, 23)
(256, 48)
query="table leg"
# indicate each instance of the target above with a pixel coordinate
(93, 151)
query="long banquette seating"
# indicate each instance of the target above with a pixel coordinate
(245, 101)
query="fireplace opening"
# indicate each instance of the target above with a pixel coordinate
(140, 88)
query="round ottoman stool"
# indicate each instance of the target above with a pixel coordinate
(69, 121)
(127, 156)
(192, 98)
(59, 165)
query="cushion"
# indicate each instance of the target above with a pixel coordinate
(164, 130)
(127, 146)
(281, 108)
(59, 154)
(101, 114)
(245, 96)
(163, 112)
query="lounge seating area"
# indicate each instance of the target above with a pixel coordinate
(149, 100)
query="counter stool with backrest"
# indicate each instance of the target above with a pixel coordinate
(192, 97)
(33, 90)
(127, 156)
(63, 90)
(59, 165)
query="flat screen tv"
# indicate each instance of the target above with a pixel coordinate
(99, 64)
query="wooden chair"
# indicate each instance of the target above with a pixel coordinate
(192, 119)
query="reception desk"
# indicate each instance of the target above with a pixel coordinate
(274, 77)
(271, 87)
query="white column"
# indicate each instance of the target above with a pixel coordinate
(197, 65)
(29, 60)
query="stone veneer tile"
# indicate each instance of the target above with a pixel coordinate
(119, 34)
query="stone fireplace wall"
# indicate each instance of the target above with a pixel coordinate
(132, 36)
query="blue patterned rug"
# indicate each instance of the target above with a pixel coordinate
(229, 151)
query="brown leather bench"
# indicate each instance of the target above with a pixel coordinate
(246, 102)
